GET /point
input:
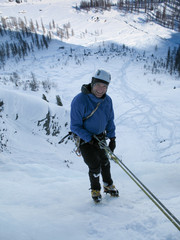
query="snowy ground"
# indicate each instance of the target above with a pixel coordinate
(43, 184)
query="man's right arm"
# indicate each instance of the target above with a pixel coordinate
(77, 114)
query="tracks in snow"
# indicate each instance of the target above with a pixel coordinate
(159, 123)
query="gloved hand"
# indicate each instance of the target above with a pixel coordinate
(112, 144)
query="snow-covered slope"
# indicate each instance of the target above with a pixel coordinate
(43, 184)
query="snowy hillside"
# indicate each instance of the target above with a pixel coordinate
(44, 186)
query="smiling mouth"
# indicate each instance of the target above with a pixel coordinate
(99, 94)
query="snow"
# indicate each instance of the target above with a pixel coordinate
(43, 184)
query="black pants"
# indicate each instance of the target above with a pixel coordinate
(98, 163)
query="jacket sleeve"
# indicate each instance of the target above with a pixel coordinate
(110, 128)
(77, 114)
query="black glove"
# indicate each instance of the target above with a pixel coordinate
(112, 144)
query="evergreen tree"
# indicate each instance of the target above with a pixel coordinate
(34, 84)
(45, 41)
(58, 100)
(7, 50)
(177, 60)
(168, 58)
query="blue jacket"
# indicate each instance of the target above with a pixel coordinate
(102, 120)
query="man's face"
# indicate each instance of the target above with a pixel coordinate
(99, 89)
